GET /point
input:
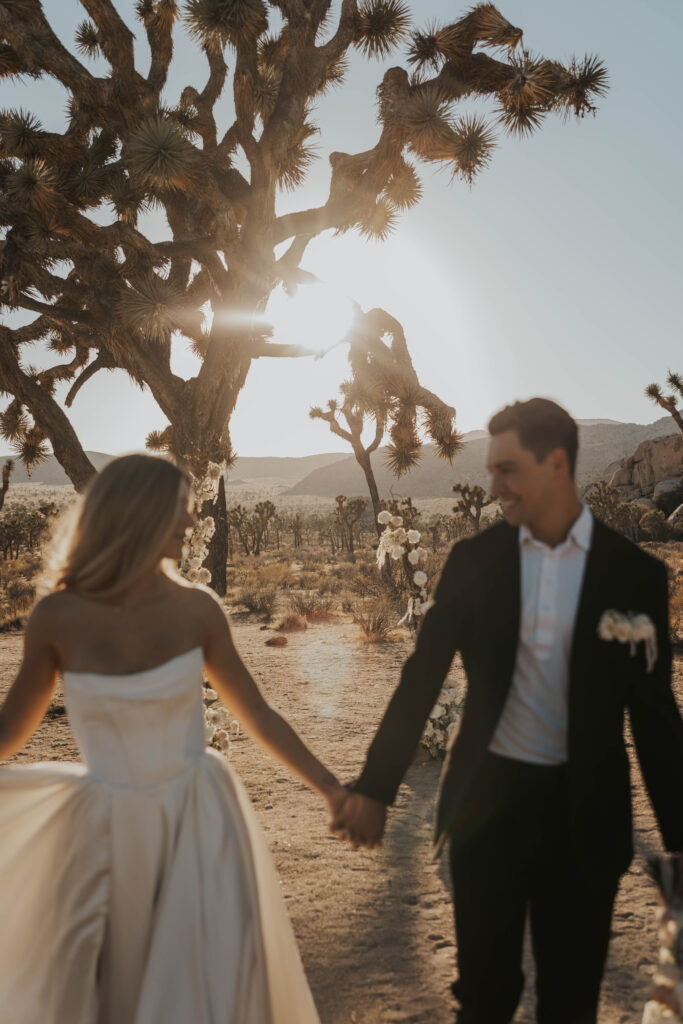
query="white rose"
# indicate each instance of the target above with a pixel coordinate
(422, 552)
(623, 631)
(413, 536)
(210, 694)
(398, 552)
(214, 471)
(213, 717)
(235, 726)
(208, 732)
(642, 628)
(195, 563)
(220, 735)
(400, 535)
(420, 578)
(204, 577)
(437, 712)
(396, 521)
(425, 606)
(193, 575)
(413, 557)
(608, 625)
(384, 517)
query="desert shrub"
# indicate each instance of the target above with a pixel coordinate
(367, 584)
(329, 585)
(307, 580)
(653, 526)
(279, 574)
(19, 594)
(310, 604)
(377, 617)
(258, 597)
(290, 622)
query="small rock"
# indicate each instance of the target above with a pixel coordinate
(277, 641)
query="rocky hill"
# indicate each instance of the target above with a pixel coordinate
(601, 443)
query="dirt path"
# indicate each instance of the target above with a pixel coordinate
(375, 931)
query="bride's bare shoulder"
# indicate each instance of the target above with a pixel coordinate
(200, 599)
(51, 614)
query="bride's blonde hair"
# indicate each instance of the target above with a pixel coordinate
(119, 528)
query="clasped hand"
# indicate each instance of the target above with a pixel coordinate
(358, 818)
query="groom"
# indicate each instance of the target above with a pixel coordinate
(535, 792)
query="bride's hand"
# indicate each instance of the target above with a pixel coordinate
(335, 797)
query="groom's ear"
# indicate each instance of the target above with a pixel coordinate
(558, 463)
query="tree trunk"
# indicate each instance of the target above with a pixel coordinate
(365, 464)
(218, 548)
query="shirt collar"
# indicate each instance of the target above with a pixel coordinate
(580, 534)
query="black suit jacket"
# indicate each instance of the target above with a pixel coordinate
(477, 611)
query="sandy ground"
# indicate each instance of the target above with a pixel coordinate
(375, 930)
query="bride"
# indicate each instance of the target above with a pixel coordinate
(136, 887)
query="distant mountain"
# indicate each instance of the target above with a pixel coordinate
(288, 470)
(50, 472)
(600, 442)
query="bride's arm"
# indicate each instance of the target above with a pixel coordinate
(29, 696)
(232, 680)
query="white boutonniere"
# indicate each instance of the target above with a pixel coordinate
(630, 629)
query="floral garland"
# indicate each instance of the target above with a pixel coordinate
(218, 724)
(442, 721)
(219, 727)
(196, 547)
(403, 545)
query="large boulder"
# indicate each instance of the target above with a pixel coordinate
(668, 494)
(652, 462)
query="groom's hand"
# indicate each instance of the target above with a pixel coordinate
(361, 820)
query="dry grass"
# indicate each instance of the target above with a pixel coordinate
(310, 605)
(376, 617)
(291, 622)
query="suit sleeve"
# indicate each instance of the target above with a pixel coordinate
(421, 680)
(658, 729)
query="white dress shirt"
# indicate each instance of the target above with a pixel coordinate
(533, 725)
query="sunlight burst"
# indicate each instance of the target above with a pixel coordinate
(317, 317)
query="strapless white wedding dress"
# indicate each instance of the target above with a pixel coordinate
(137, 888)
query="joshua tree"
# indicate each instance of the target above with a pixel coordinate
(6, 474)
(385, 388)
(668, 402)
(348, 512)
(473, 500)
(106, 296)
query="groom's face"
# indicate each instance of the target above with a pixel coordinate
(523, 485)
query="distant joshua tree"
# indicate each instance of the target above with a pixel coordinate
(473, 500)
(668, 402)
(6, 474)
(106, 296)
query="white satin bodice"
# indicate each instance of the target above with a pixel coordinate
(140, 729)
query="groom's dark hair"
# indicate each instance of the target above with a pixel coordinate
(541, 425)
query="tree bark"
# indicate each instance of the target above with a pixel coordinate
(218, 548)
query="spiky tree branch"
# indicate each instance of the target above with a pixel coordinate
(114, 299)
(668, 402)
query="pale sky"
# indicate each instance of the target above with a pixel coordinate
(558, 273)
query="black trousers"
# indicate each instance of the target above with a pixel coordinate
(511, 855)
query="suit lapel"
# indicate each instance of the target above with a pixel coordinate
(591, 600)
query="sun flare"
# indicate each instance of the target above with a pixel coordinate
(317, 316)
